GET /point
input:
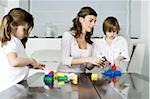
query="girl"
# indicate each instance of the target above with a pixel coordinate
(15, 26)
(77, 44)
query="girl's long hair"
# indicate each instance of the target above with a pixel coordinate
(14, 18)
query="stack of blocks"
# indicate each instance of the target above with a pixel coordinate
(65, 77)
(49, 79)
(62, 78)
(110, 73)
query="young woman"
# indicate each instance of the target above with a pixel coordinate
(77, 43)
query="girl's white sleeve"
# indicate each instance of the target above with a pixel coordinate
(10, 47)
(66, 58)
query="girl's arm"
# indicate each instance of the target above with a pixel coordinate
(16, 61)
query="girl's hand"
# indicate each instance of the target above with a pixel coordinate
(34, 62)
(39, 66)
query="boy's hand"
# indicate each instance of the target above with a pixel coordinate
(117, 62)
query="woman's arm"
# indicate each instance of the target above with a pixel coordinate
(66, 59)
(93, 60)
(66, 51)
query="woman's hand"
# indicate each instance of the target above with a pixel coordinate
(105, 63)
(94, 60)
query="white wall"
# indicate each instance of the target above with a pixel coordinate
(3, 4)
(11, 4)
(145, 31)
(139, 27)
(2, 11)
(59, 14)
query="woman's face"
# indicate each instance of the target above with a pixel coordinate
(87, 23)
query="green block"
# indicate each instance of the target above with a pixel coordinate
(63, 78)
(48, 80)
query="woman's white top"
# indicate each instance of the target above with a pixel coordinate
(70, 50)
(118, 47)
(11, 75)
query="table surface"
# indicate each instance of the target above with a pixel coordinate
(128, 86)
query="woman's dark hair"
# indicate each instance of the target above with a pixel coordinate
(77, 28)
(111, 24)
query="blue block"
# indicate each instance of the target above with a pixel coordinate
(49, 76)
(112, 73)
(117, 73)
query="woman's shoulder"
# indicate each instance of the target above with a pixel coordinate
(68, 34)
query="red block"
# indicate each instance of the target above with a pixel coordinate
(114, 67)
(51, 72)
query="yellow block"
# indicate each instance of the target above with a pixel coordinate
(94, 77)
(61, 83)
(75, 79)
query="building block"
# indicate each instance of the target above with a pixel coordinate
(94, 77)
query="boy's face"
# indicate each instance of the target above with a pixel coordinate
(111, 34)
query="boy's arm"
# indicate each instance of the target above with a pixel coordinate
(119, 59)
(124, 51)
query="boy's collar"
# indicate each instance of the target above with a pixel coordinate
(116, 38)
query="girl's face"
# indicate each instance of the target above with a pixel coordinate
(22, 31)
(87, 23)
(111, 34)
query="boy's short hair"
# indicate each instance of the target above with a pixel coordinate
(111, 24)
